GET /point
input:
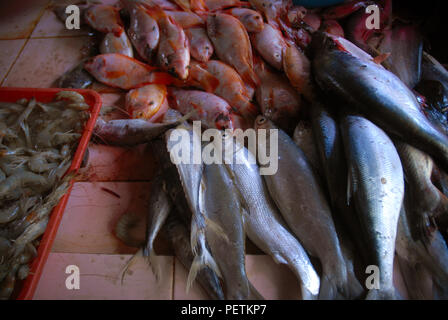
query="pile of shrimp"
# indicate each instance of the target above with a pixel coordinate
(37, 143)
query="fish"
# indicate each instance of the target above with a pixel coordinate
(332, 27)
(343, 10)
(405, 45)
(251, 19)
(173, 54)
(105, 19)
(179, 236)
(143, 31)
(263, 224)
(114, 44)
(303, 137)
(158, 210)
(186, 19)
(331, 156)
(232, 45)
(297, 68)
(423, 200)
(415, 255)
(277, 99)
(226, 212)
(270, 44)
(434, 103)
(212, 111)
(123, 72)
(221, 79)
(214, 5)
(376, 185)
(391, 104)
(77, 78)
(201, 47)
(302, 203)
(190, 174)
(273, 10)
(433, 70)
(148, 102)
(131, 132)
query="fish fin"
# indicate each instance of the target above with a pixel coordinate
(199, 262)
(198, 5)
(160, 78)
(250, 77)
(278, 258)
(123, 229)
(381, 58)
(216, 228)
(129, 264)
(155, 265)
(154, 11)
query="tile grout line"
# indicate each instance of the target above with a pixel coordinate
(41, 13)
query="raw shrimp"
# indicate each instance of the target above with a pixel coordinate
(38, 163)
(9, 213)
(20, 179)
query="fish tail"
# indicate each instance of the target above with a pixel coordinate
(129, 264)
(387, 294)
(155, 265)
(201, 261)
(250, 77)
(329, 289)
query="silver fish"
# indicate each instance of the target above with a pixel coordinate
(222, 207)
(296, 190)
(377, 188)
(378, 94)
(264, 225)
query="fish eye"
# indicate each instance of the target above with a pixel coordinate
(261, 120)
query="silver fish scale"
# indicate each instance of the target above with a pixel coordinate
(378, 187)
(266, 228)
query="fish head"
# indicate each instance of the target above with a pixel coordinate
(262, 122)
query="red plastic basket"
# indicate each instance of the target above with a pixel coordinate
(93, 99)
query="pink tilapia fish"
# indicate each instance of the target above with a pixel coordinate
(173, 54)
(104, 18)
(232, 45)
(191, 5)
(148, 102)
(213, 5)
(297, 68)
(273, 10)
(211, 110)
(277, 99)
(219, 78)
(312, 20)
(332, 27)
(114, 44)
(143, 30)
(251, 19)
(186, 19)
(270, 44)
(120, 71)
(201, 47)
